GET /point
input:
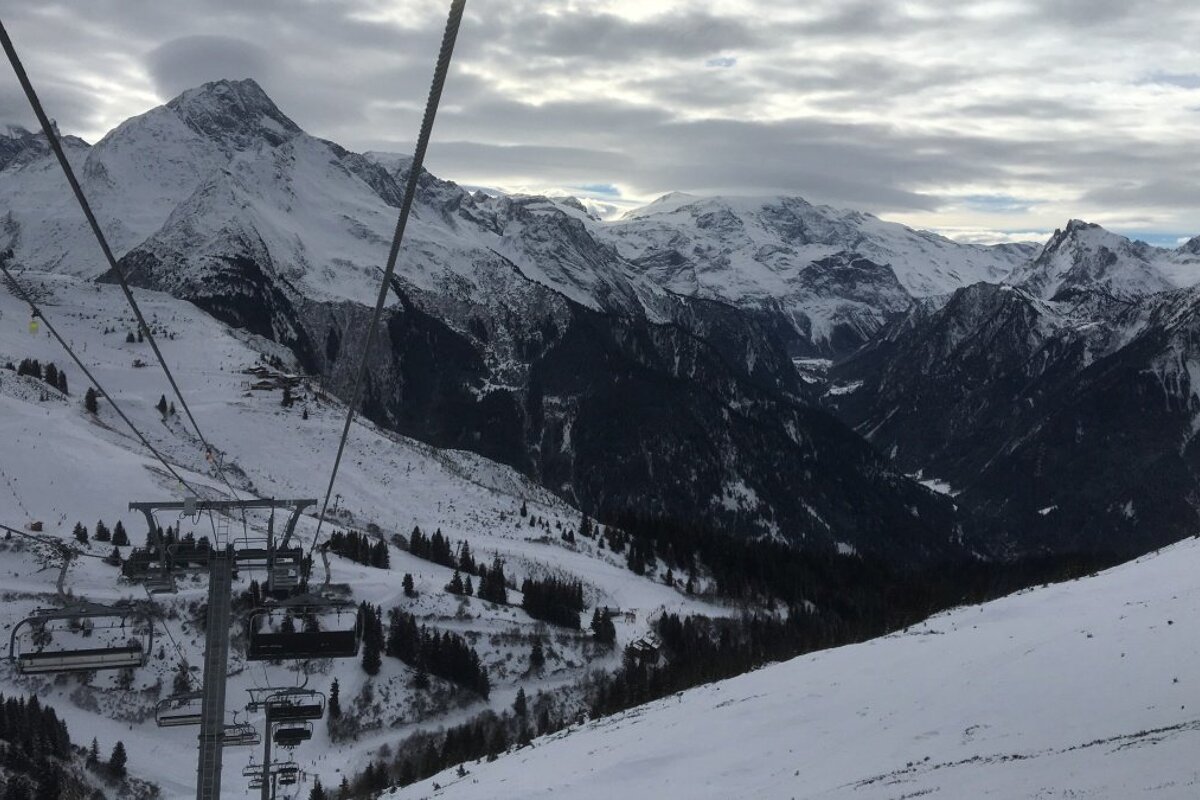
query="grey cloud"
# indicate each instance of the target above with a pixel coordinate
(608, 37)
(1185, 80)
(343, 74)
(191, 60)
(1166, 193)
(1029, 108)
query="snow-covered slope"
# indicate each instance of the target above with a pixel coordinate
(60, 465)
(1084, 689)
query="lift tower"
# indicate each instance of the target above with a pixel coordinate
(282, 565)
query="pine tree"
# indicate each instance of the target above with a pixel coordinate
(93, 756)
(161, 405)
(537, 657)
(372, 657)
(335, 702)
(17, 788)
(521, 705)
(80, 532)
(407, 583)
(602, 627)
(119, 537)
(89, 401)
(130, 338)
(50, 781)
(171, 409)
(455, 586)
(524, 509)
(62, 382)
(468, 587)
(116, 762)
(141, 337)
(318, 792)
(51, 375)
(102, 532)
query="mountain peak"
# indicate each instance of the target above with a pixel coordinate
(1085, 255)
(236, 113)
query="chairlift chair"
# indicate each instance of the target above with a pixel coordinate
(292, 733)
(269, 644)
(239, 734)
(295, 705)
(31, 645)
(179, 709)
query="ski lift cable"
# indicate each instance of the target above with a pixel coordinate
(167, 629)
(55, 145)
(453, 23)
(20, 290)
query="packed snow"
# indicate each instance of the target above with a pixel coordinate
(1083, 689)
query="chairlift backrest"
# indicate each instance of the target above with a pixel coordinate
(267, 644)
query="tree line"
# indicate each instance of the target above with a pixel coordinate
(50, 374)
(552, 600)
(446, 655)
(359, 547)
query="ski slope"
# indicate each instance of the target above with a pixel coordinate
(60, 465)
(1088, 689)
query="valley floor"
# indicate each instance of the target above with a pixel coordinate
(1088, 689)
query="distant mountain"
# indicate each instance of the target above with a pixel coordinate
(522, 332)
(1086, 257)
(1065, 423)
(773, 255)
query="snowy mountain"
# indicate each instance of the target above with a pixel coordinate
(982, 701)
(775, 254)
(1085, 256)
(521, 332)
(998, 389)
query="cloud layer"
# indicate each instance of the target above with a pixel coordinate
(988, 117)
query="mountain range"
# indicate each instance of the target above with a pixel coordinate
(648, 363)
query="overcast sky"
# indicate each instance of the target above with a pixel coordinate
(982, 119)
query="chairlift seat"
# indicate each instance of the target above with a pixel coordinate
(295, 706)
(293, 735)
(179, 710)
(269, 645)
(81, 660)
(240, 734)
